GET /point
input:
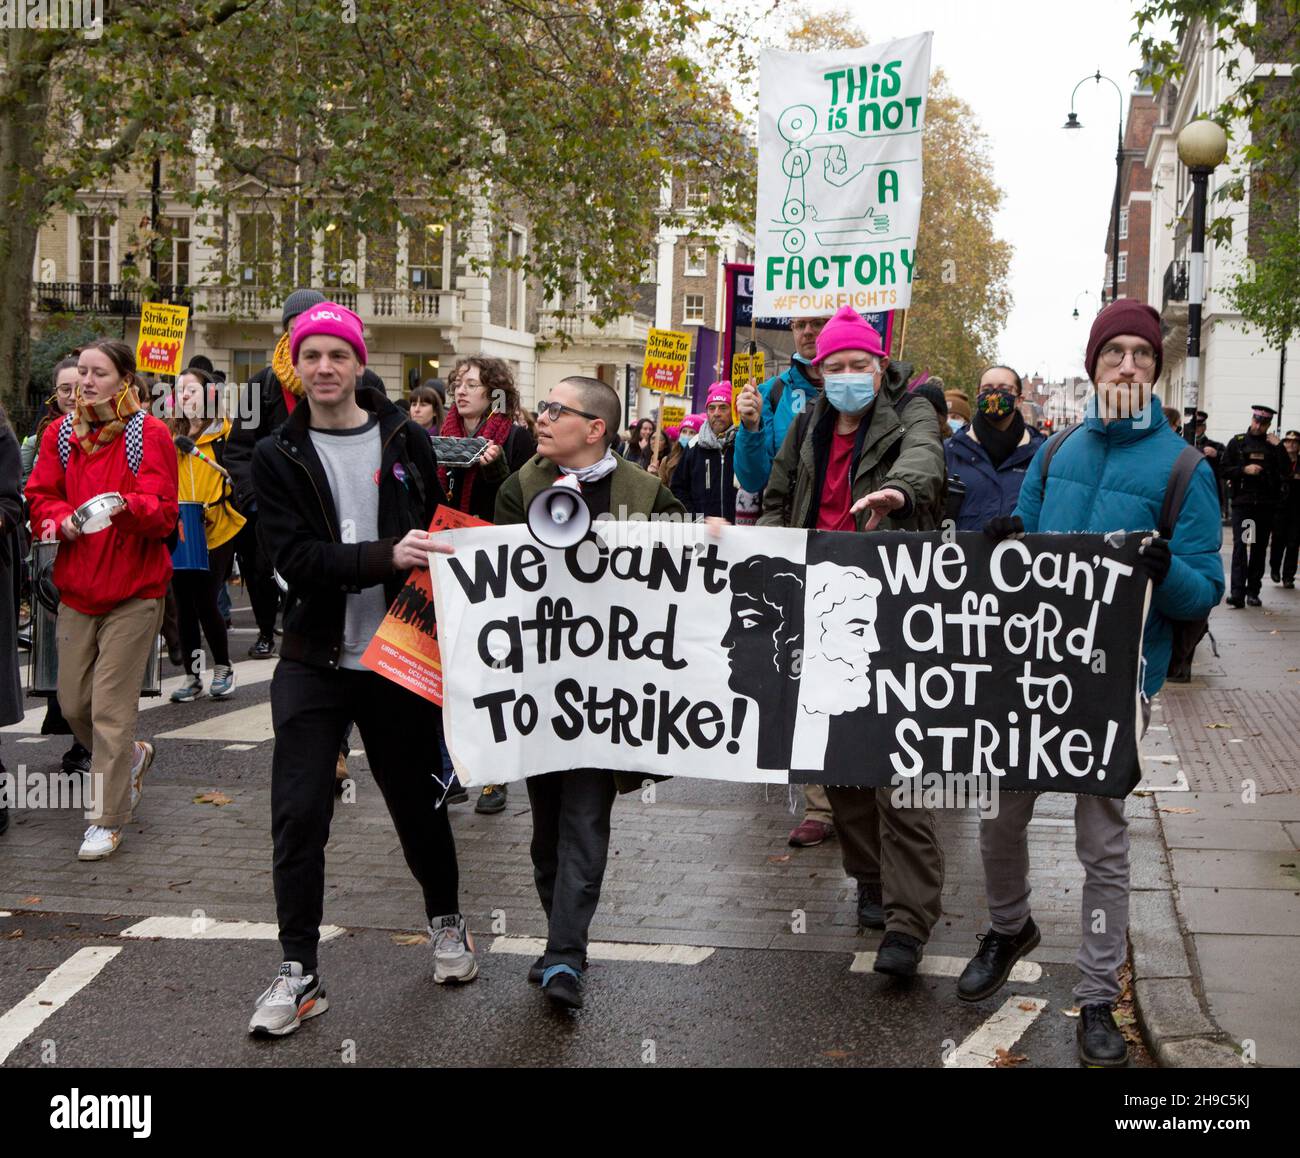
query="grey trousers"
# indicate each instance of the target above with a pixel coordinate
(1101, 841)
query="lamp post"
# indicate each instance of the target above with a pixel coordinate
(1072, 122)
(1083, 294)
(1202, 145)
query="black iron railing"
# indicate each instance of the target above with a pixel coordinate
(81, 297)
(1175, 283)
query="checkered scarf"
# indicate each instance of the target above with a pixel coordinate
(96, 424)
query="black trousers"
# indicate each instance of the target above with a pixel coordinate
(255, 570)
(1248, 559)
(310, 709)
(571, 814)
(1286, 538)
(196, 606)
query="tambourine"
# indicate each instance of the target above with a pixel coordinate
(97, 513)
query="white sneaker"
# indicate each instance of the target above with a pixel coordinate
(453, 950)
(139, 766)
(99, 842)
(290, 1000)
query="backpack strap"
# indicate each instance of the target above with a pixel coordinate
(1180, 478)
(778, 388)
(1052, 446)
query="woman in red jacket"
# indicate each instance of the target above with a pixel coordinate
(111, 583)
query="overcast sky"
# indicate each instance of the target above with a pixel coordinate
(1014, 62)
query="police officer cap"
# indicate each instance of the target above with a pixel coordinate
(1263, 411)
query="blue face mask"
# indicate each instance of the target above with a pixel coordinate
(850, 393)
(955, 424)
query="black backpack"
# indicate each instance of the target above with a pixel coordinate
(1180, 478)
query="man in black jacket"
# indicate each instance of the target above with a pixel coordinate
(266, 400)
(705, 479)
(1253, 466)
(345, 489)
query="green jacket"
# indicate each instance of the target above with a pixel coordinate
(634, 490)
(916, 468)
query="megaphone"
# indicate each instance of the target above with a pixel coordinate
(559, 516)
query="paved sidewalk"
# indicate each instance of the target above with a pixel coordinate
(1232, 736)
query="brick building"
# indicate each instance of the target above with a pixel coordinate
(1134, 202)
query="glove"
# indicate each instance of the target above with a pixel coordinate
(1155, 557)
(1005, 527)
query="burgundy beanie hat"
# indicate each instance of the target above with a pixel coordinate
(1126, 316)
(328, 318)
(847, 331)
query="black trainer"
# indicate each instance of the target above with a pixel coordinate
(264, 648)
(899, 955)
(988, 970)
(1254, 601)
(871, 907)
(538, 967)
(1236, 602)
(4, 818)
(1100, 1041)
(491, 799)
(564, 989)
(76, 759)
(1276, 576)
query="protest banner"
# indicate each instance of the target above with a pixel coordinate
(738, 313)
(162, 338)
(744, 368)
(671, 414)
(782, 656)
(667, 354)
(839, 177)
(405, 648)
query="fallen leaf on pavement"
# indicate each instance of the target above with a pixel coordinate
(778, 859)
(1180, 811)
(410, 938)
(1073, 1011)
(836, 1053)
(14, 934)
(217, 798)
(1218, 725)
(1007, 1058)
(31, 900)
(1028, 1006)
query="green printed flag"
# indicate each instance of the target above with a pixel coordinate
(839, 177)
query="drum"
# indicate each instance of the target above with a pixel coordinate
(43, 670)
(96, 514)
(191, 550)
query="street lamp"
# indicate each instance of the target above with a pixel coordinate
(1202, 146)
(1072, 122)
(1083, 294)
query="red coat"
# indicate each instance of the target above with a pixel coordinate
(129, 560)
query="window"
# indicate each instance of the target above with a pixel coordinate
(696, 195)
(1123, 225)
(256, 249)
(424, 256)
(246, 363)
(340, 252)
(174, 252)
(1123, 266)
(93, 235)
(697, 260)
(514, 288)
(694, 309)
(417, 367)
(690, 380)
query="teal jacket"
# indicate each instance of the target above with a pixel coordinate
(756, 449)
(1111, 477)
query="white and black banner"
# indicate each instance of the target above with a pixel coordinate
(794, 656)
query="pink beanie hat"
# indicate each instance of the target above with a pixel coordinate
(693, 422)
(673, 433)
(328, 318)
(847, 331)
(718, 392)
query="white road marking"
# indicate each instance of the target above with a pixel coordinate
(1022, 971)
(251, 671)
(611, 951)
(1001, 1031)
(63, 984)
(246, 724)
(33, 740)
(239, 747)
(6, 914)
(203, 929)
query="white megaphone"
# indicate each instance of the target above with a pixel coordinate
(559, 516)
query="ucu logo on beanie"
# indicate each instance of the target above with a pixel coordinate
(325, 315)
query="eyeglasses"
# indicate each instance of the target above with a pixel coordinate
(1114, 356)
(553, 410)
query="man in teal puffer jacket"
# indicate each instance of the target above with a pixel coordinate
(1108, 476)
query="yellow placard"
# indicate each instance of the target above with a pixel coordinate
(162, 338)
(671, 414)
(740, 375)
(667, 354)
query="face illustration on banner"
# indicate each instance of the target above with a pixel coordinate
(763, 643)
(840, 639)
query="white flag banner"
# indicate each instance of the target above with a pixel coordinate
(839, 177)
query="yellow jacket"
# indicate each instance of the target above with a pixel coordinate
(202, 483)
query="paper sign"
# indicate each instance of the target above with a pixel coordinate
(667, 354)
(671, 414)
(162, 338)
